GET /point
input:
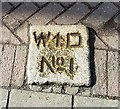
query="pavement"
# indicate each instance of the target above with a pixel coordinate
(17, 17)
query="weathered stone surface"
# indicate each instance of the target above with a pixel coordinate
(101, 15)
(3, 97)
(19, 66)
(6, 64)
(62, 59)
(110, 36)
(38, 99)
(8, 37)
(113, 74)
(46, 14)
(22, 32)
(100, 87)
(71, 90)
(5, 8)
(74, 14)
(57, 88)
(94, 102)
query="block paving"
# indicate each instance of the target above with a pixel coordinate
(17, 17)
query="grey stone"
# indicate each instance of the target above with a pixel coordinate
(110, 36)
(94, 102)
(38, 99)
(72, 15)
(19, 66)
(100, 87)
(46, 14)
(6, 65)
(5, 8)
(101, 15)
(81, 75)
(113, 74)
(8, 37)
(3, 97)
(57, 88)
(71, 90)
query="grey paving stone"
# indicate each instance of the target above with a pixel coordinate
(110, 36)
(101, 15)
(66, 4)
(19, 66)
(3, 97)
(113, 74)
(38, 99)
(6, 65)
(100, 66)
(99, 44)
(46, 14)
(8, 37)
(72, 15)
(71, 90)
(22, 32)
(94, 102)
(15, 4)
(6, 7)
(93, 4)
(19, 14)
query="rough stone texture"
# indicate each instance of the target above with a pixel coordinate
(100, 66)
(57, 88)
(38, 99)
(3, 97)
(22, 32)
(6, 7)
(71, 90)
(81, 61)
(19, 66)
(99, 44)
(110, 36)
(93, 4)
(6, 65)
(101, 15)
(84, 91)
(8, 37)
(25, 10)
(113, 74)
(94, 102)
(75, 13)
(46, 14)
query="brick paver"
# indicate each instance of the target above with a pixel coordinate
(100, 87)
(94, 102)
(76, 12)
(113, 74)
(3, 97)
(19, 66)
(6, 64)
(46, 14)
(101, 15)
(38, 99)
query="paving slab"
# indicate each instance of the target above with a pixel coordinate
(19, 66)
(100, 88)
(3, 97)
(73, 14)
(59, 60)
(38, 99)
(94, 102)
(113, 74)
(6, 64)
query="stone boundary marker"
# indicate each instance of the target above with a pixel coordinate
(59, 54)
